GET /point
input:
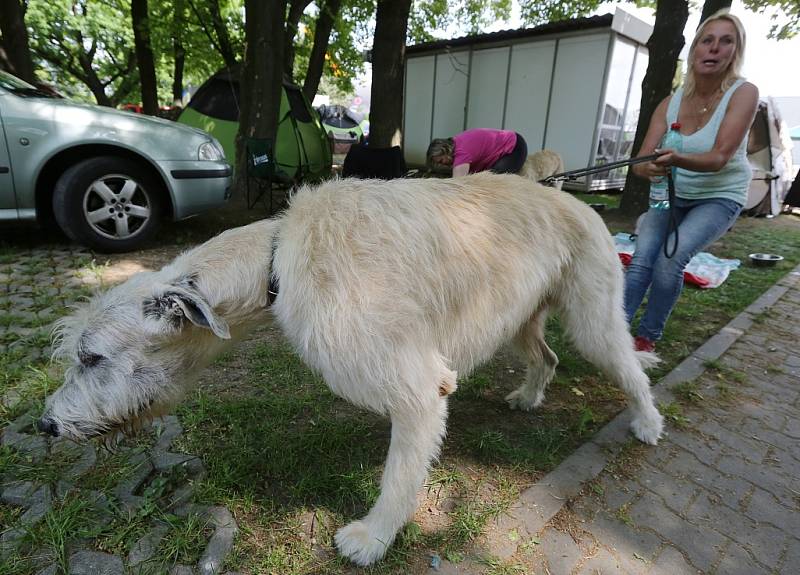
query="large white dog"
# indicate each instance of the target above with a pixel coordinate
(388, 289)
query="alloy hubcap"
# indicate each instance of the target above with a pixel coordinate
(116, 207)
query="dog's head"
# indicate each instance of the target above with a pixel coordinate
(128, 352)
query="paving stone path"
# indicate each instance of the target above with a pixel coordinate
(719, 495)
(36, 287)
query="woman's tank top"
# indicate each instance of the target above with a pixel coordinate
(733, 180)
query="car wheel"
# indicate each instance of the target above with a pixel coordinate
(109, 204)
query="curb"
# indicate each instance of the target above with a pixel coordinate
(538, 504)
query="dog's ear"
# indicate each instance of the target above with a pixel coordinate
(177, 303)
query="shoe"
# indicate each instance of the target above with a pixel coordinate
(643, 344)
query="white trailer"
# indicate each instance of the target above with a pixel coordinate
(573, 87)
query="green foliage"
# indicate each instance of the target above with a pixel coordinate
(430, 18)
(537, 12)
(781, 28)
(68, 39)
(351, 35)
(171, 19)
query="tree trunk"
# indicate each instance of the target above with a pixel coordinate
(14, 41)
(88, 75)
(144, 56)
(225, 47)
(296, 9)
(322, 33)
(261, 82)
(127, 79)
(177, 76)
(219, 39)
(388, 59)
(5, 61)
(711, 6)
(179, 54)
(664, 47)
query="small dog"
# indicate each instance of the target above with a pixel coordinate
(541, 165)
(386, 288)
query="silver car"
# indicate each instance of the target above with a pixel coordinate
(105, 177)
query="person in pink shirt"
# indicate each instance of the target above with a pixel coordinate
(479, 149)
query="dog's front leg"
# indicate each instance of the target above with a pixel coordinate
(417, 433)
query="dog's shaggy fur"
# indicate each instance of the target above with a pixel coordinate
(541, 165)
(388, 289)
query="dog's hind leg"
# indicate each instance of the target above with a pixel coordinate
(542, 362)
(418, 426)
(591, 307)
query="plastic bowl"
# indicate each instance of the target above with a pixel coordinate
(765, 260)
(598, 207)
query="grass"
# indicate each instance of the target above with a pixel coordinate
(673, 413)
(294, 463)
(623, 514)
(688, 392)
(71, 519)
(610, 200)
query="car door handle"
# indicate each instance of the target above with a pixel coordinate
(4, 170)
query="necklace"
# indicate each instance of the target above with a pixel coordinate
(708, 104)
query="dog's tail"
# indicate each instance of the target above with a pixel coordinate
(647, 359)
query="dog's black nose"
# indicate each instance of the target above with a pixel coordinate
(48, 426)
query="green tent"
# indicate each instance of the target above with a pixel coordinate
(302, 148)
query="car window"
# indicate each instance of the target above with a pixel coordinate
(21, 88)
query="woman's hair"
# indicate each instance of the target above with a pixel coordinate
(440, 147)
(733, 72)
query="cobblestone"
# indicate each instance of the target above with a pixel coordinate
(711, 514)
(93, 563)
(37, 500)
(561, 552)
(737, 561)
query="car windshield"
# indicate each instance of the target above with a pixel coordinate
(21, 88)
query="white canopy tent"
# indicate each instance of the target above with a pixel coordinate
(769, 149)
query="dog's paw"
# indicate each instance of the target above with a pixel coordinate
(358, 543)
(648, 427)
(521, 399)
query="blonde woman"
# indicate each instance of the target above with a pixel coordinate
(715, 109)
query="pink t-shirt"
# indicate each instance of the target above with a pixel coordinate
(482, 147)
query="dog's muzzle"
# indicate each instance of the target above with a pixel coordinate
(48, 426)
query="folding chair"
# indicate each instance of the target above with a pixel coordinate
(260, 170)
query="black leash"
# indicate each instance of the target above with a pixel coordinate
(673, 221)
(575, 174)
(274, 284)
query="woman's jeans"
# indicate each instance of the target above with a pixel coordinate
(700, 223)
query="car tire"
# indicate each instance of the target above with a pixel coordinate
(109, 204)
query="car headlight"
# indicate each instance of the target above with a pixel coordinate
(210, 152)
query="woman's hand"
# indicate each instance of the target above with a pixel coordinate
(654, 170)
